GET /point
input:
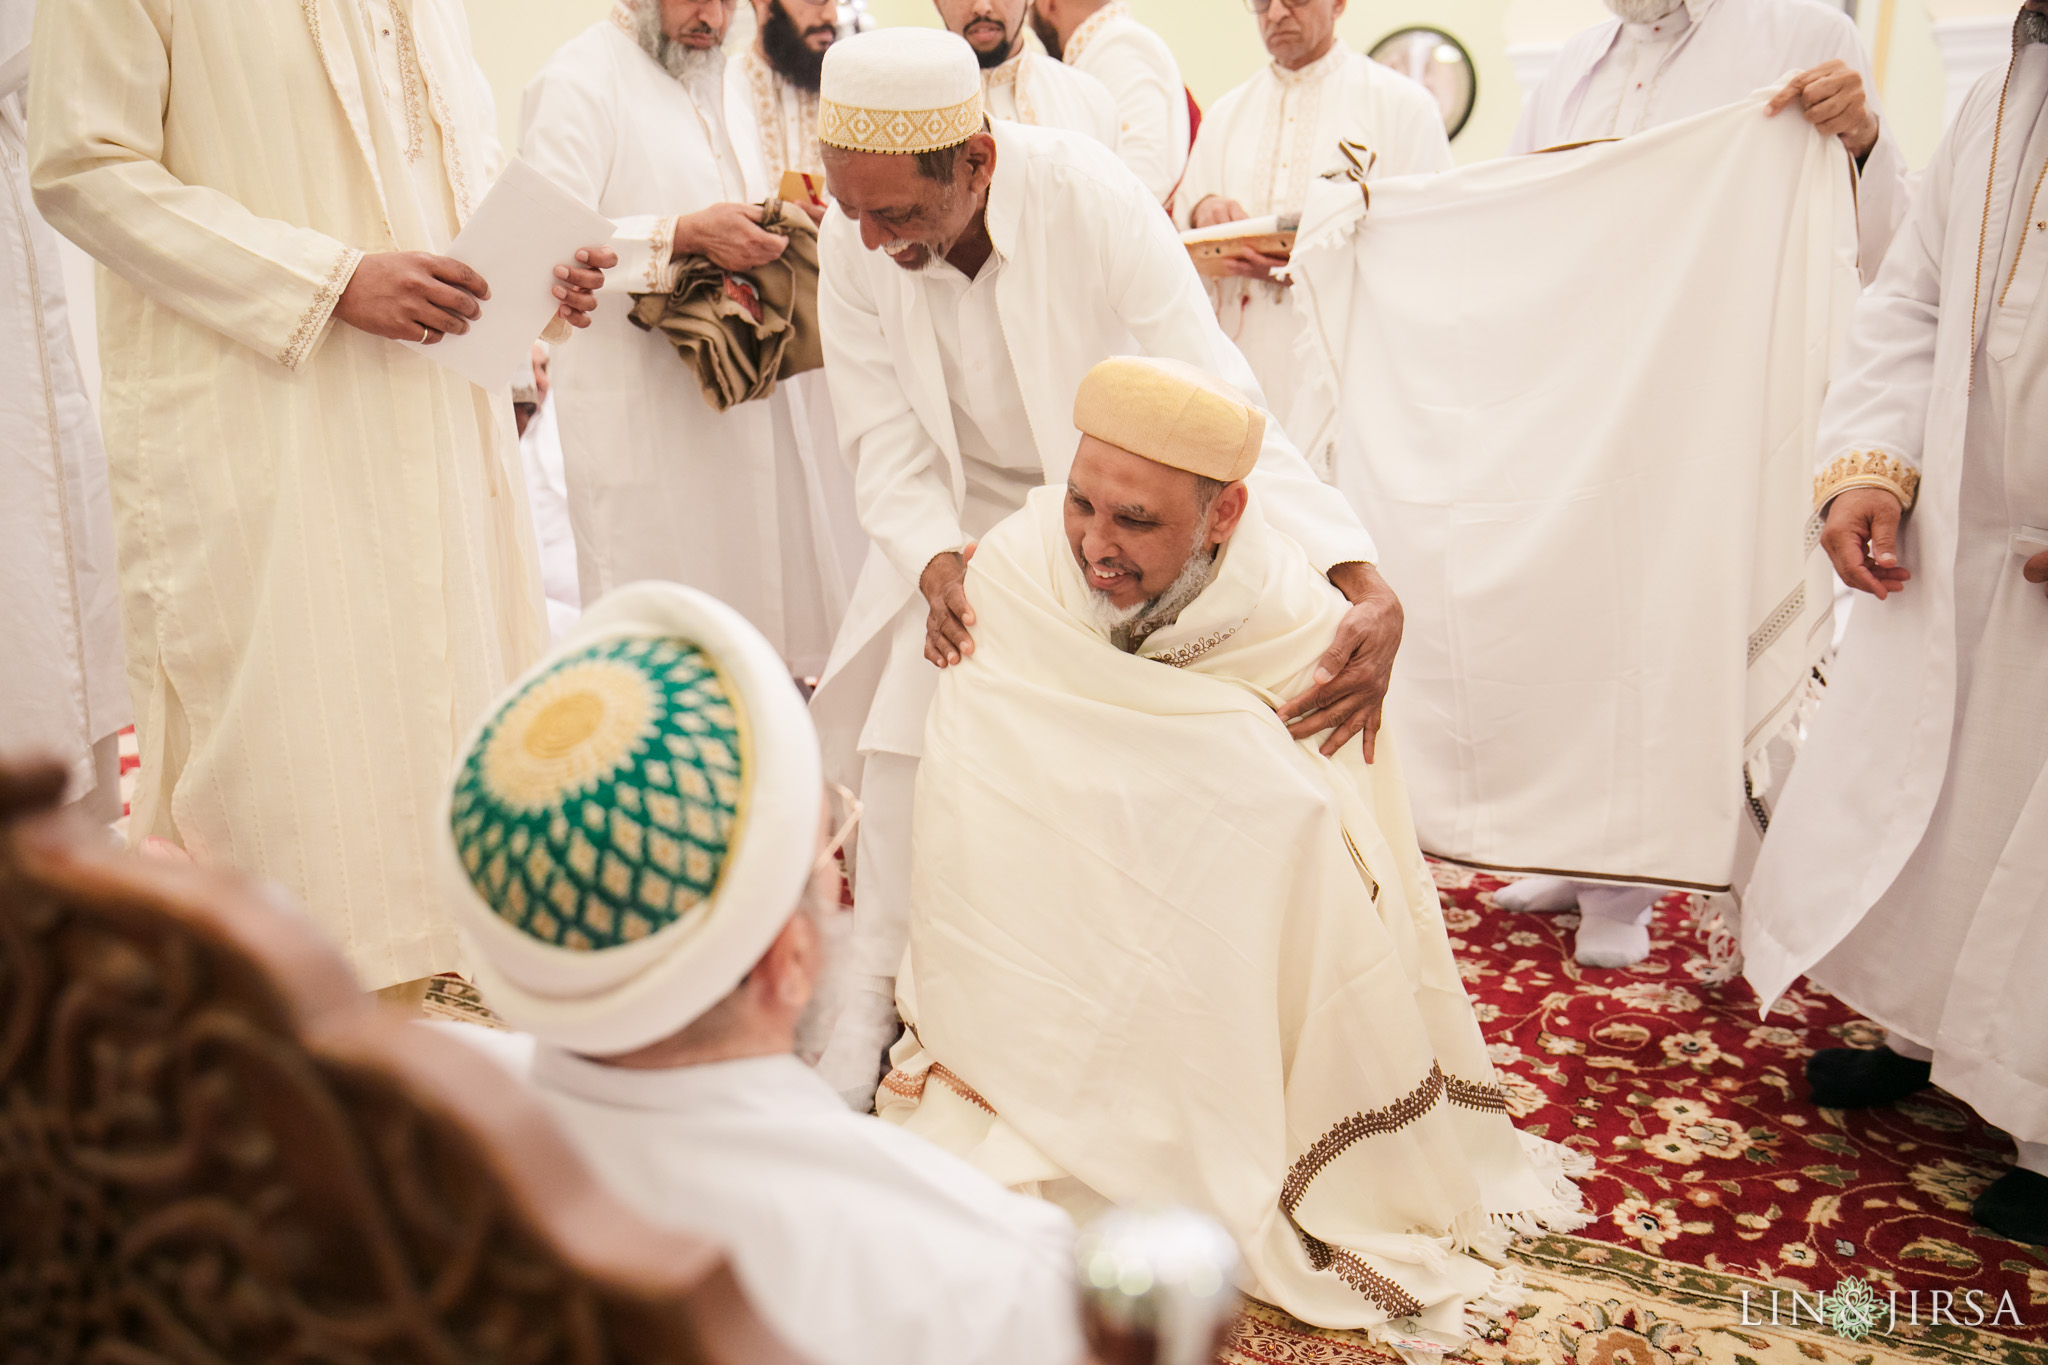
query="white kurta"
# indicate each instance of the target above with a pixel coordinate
(858, 1243)
(1907, 865)
(64, 689)
(1033, 88)
(1090, 268)
(1264, 144)
(1137, 68)
(1616, 79)
(785, 115)
(547, 492)
(661, 486)
(327, 569)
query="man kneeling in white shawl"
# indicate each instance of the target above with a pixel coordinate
(1161, 952)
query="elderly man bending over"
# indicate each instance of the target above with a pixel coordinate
(638, 829)
(1160, 950)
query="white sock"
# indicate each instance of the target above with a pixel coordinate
(1614, 925)
(1907, 1048)
(1538, 893)
(2033, 1157)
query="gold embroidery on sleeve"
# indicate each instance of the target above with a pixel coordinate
(321, 308)
(1868, 469)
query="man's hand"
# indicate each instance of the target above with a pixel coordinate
(1216, 209)
(1862, 537)
(576, 285)
(731, 235)
(1832, 95)
(944, 585)
(2036, 569)
(411, 296)
(1352, 676)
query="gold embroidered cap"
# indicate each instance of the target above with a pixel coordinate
(1173, 414)
(898, 91)
(633, 823)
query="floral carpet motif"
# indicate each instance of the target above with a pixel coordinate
(1715, 1174)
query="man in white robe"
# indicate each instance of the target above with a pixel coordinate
(970, 278)
(1103, 40)
(326, 563)
(1657, 61)
(634, 117)
(1022, 84)
(1907, 866)
(1161, 951)
(777, 74)
(547, 492)
(65, 693)
(1266, 142)
(635, 847)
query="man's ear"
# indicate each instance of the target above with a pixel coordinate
(788, 972)
(1227, 511)
(981, 161)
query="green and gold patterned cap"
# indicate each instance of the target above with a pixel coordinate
(602, 800)
(634, 822)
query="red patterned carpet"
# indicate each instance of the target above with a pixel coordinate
(1696, 1110)
(1716, 1177)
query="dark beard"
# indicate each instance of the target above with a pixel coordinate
(1047, 34)
(995, 58)
(789, 56)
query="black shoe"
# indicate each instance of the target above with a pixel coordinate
(2016, 1206)
(1859, 1077)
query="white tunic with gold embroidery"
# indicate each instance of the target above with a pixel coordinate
(327, 568)
(1033, 88)
(1138, 69)
(785, 115)
(1907, 865)
(1266, 142)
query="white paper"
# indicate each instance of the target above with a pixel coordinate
(526, 226)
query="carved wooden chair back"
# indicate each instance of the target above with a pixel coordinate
(214, 1149)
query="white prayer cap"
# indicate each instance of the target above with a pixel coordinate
(1173, 414)
(633, 823)
(898, 91)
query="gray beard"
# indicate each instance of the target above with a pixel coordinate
(2032, 28)
(1642, 11)
(1129, 627)
(686, 64)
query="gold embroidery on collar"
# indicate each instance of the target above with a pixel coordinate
(1090, 27)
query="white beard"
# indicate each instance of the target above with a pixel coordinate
(1642, 11)
(1124, 624)
(2033, 28)
(686, 64)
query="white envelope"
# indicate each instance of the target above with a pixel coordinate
(526, 226)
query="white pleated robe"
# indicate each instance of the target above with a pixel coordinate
(661, 485)
(64, 688)
(1034, 89)
(1138, 69)
(327, 567)
(1264, 145)
(1907, 865)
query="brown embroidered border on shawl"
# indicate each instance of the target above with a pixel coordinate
(899, 1082)
(1384, 1293)
(1194, 650)
(1396, 1116)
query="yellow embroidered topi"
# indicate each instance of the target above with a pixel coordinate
(899, 91)
(1173, 414)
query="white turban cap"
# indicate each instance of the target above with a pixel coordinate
(899, 91)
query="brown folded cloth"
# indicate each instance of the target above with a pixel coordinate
(742, 332)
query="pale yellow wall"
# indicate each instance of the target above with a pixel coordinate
(1218, 46)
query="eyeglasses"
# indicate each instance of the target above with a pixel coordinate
(1261, 6)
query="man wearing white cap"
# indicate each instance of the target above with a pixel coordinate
(1163, 952)
(971, 277)
(636, 852)
(1023, 85)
